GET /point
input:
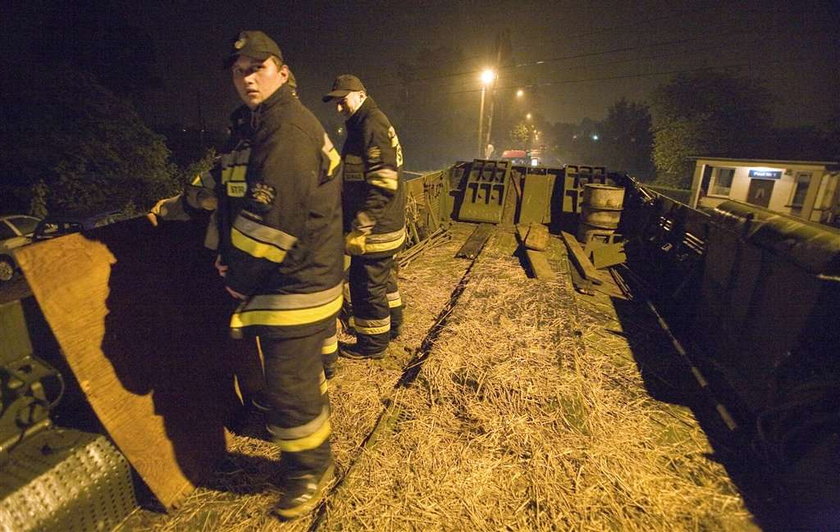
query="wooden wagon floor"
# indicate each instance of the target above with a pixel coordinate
(532, 410)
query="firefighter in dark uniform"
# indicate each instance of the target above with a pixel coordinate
(200, 194)
(373, 200)
(280, 252)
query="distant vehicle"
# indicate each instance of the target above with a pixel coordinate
(16, 230)
(521, 157)
(57, 225)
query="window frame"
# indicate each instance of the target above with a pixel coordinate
(713, 182)
(797, 181)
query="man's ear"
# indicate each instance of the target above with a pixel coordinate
(284, 72)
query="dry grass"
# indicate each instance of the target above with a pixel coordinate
(518, 420)
(514, 425)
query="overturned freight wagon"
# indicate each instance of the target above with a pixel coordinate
(139, 329)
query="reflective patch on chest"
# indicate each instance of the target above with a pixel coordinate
(236, 189)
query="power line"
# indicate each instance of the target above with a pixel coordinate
(567, 37)
(628, 76)
(588, 54)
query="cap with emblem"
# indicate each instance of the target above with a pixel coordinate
(254, 44)
(344, 85)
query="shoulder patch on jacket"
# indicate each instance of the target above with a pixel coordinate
(262, 194)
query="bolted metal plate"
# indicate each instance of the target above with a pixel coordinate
(64, 480)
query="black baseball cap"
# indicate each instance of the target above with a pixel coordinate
(254, 44)
(344, 85)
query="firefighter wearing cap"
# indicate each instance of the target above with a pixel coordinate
(373, 201)
(281, 255)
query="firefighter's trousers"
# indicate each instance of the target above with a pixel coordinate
(395, 302)
(299, 414)
(371, 282)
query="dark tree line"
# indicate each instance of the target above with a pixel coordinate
(76, 146)
(73, 140)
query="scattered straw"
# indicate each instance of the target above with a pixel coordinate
(526, 415)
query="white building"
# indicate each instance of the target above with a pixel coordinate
(805, 189)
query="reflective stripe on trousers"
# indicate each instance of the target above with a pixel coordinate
(371, 312)
(298, 416)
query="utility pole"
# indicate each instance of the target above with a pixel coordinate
(480, 150)
(503, 47)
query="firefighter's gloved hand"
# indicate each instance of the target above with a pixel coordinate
(354, 243)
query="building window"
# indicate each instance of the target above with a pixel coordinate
(722, 181)
(800, 189)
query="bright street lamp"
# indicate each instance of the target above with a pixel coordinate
(520, 93)
(487, 77)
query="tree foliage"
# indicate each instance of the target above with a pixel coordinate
(626, 138)
(521, 134)
(706, 113)
(77, 147)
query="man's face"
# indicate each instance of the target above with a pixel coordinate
(256, 80)
(349, 104)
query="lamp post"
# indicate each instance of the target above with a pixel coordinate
(487, 77)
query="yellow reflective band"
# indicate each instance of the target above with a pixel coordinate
(324, 386)
(285, 318)
(238, 173)
(309, 442)
(332, 155)
(331, 347)
(372, 330)
(347, 259)
(374, 322)
(335, 160)
(196, 182)
(373, 326)
(375, 247)
(255, 248)
(263, 233)
(385, 178)
(394, 303)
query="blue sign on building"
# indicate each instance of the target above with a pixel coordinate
(766, 174)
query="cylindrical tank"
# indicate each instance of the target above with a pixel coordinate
(604, 197)
(600, 211)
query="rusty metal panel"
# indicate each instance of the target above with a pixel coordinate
(15, 342)
(485, 191)
(537, 187)
(575, 178)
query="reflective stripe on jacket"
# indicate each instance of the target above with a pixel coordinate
(280, 215)
(374, 195)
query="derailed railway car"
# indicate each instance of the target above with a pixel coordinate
(748, 296)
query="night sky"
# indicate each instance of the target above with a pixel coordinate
(574, 58)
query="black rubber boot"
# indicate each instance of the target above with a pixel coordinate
(330, 364)
(395, 332)
(352, 351)
(306, 477)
